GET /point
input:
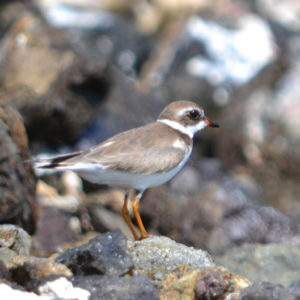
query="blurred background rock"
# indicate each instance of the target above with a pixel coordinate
(81, 71)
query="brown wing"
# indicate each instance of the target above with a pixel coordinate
(155, 160)
(146, 149)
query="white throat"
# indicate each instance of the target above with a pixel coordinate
(188, 130)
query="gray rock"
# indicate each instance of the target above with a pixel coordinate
(222, 212)
(105, 254)
(114, 288)
(157, 256)
(275, 263)
(294, 289)
(6, 255)
(269, 291)
(15, 238)
(252, 224)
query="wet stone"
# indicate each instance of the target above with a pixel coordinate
(105, 254)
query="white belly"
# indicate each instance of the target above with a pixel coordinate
(126, 180)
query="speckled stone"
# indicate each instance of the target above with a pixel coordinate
(208, 283)
(15, 238)
(158, 256)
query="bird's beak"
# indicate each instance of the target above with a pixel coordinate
(211, 123)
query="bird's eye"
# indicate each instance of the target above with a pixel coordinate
(194, 114)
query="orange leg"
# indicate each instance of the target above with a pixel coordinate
(135, 206)
(125, 214)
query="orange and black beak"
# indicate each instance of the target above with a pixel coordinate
(211, 124)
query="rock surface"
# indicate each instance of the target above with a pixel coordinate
(27, 270)
(81, 71)
(269, 291)
(49, 236)
(205, 283)
(274, 263)
(42, 77)
(105, 254)
(205, 208)
(111, 267)
(119, 288)
(17, 183)
(156, 257)
(16, 239)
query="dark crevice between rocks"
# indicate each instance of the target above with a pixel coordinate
(92, 89)
(20, 276)
(81, 265)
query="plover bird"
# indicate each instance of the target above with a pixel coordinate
(139, 158)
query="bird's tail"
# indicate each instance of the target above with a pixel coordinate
(53, 162)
